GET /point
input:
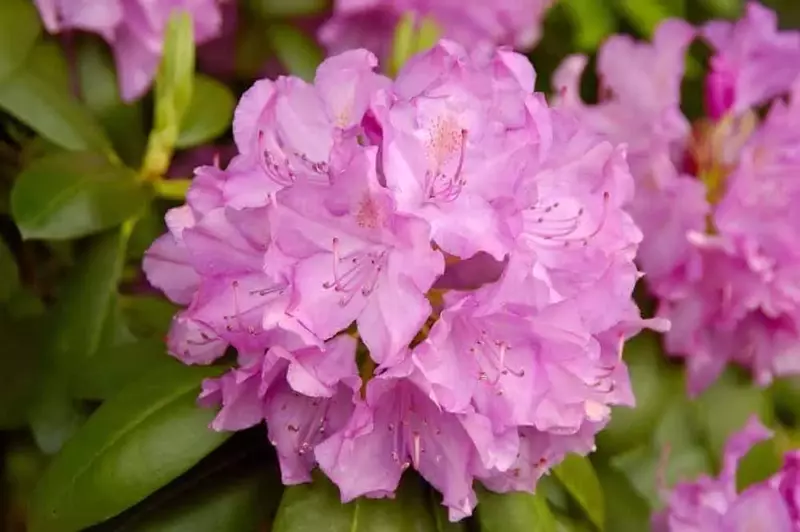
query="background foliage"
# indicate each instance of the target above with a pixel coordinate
(99, 426)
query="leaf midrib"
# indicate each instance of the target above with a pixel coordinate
(111, 443)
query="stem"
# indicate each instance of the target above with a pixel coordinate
(173, 189)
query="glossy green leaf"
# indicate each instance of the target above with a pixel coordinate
(317, 507)
(593, 21)
(100, 91)
(296, 51)
(282, 8)
(19, 29)
(33, 97)
(654, 382)
(626, 510)
(85, 302)
(209, 114)
(9, 273)
(74, 194)
(173, 93)
(148, 434)
(514, 512)
(577, 475)
(236, 487)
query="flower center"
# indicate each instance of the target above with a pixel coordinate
(446, 146)
(275, 162)
(491, 356)
(714, 150)
(356, 272)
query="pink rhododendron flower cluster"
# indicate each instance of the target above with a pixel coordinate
(715, 203)
(133, 28)
(371, 23)
(431, 272)
(713, 504)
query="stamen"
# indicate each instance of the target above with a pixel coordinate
(234, 322)
(491, 356)
(417, 447)
(439, 186)
(277, 170)
(542, 225)
(357, 272)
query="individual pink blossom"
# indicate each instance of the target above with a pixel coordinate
(432, 272)
(303, 393)
(713, 504)
(713, 202)
(370, 24)
(133, 28)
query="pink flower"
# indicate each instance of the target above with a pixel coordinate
(713, 505)
(303, 393)
(713, 203)
(467, 241)
(398, 427)
(370, 24)
(357, 260)
(449, 154)
(133, 28)
(753, 61)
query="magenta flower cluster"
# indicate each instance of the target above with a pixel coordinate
(713, 504)
(133, 28)
(715, 202)
(431, 272)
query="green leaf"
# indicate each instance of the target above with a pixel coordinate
(74, 194)
(645, 15)
(19, 29)
(148, 316)
(85, 302)
(173, 93)
(726, 406)
(411, 37)
(282, 8)
(136, 442)
(296, 51)
(100, 91)
(209, 113)
(760, 463)
(9, 273)
(626, 510)
(20, 357)
(235, 488)
(317, 507)
(32, 96)
(579, 478)
(654, 382)
(54, 416)
(118, 365)
(724, 8)
(513, 512)
(593, 22)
